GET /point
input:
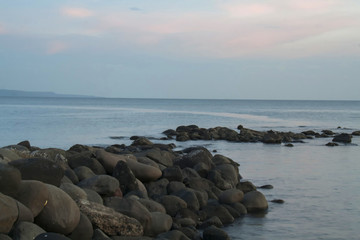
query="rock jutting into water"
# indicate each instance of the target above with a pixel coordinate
(144, 191)
(193, 132)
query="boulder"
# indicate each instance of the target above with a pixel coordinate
(83, 172)
(173, 174)
(216, 177)
(159, 156)
(175, 186)
(356, 133)
(5, 237)
(25, 213)
(189, 197)
(51, 236)
(34, 195)
(231, 196)
(214, 233)
(131, 208)
(86, 159)
(9, 213)
(125, 177)
(73, 191)
(212, 221)
(109, 160)
(110, 221)
(10, 179)
(255, 201)
(195, 156)
(25, 231)
(218, 210)
(246, 186)
(141, 141)
(143, 172)
(158, 188)
(160, 222)
(8, 155)
(83, 230)
(173, 235)
(102, 184)
(272, 137)
(40, 169)
(99, 235)
(239, 207)
(60, 214)
(172, 204)
(152, 206)
(93, 196)
(343, 138)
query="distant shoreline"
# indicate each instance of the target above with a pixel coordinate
(17, 93)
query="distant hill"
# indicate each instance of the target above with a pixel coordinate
(16, 93)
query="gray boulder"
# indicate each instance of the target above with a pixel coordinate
(25, 231)
(343, 138)
(231, 196)
(214, 233)
(218, 210)
(83, 172)
(83, 230)
(34, 195)
(125, 177)
(73, 191)
(51, 235)
(190, 198)
(255, 202)
(9, 213)
(160, 222)
(93, 196)
(157, 188)
(172, 204)
(152, 206)
(173, 174)
(173, 235)
(86, 159)
(110, 221)
(131, 208)
(40, 169)
(103, 184)
(10, 179)
(60, 214)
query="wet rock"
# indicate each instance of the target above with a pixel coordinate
(100, 235)
(25, 231)
(328, 132)
(34, 195)
(103, 184)
(142, 141)
(7, 155)
(60, 214)
(343, 138)
(109, 160)
(255, 201)
(163, 157)
(331, 144)
(213, 221)
(280, 201)
(309, 133)
(195, 156)
(109, 221)
(356, 133)
(190, 198)
(246, 186)
(175, 186)
(272, 137)
(214, 233)
(9, 213)
(289, 145)
(10, 179)
(267, 186)
(220, 211)
(40, 169)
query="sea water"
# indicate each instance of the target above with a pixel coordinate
(320, 185)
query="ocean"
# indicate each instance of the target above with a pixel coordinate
(320, 185)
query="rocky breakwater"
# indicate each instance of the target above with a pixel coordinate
(141, 191)
(193, 132)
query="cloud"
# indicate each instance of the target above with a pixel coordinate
(248, 10)
(55, 47)
(77, 12)
(2, 29)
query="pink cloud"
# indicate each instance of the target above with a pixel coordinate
(56, 47)
(2, 29)
(77, 12)
(248, 10)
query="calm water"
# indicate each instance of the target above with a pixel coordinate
(320, 185)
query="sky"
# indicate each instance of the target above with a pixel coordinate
(212, 49)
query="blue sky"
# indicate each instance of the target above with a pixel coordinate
(273, 49)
